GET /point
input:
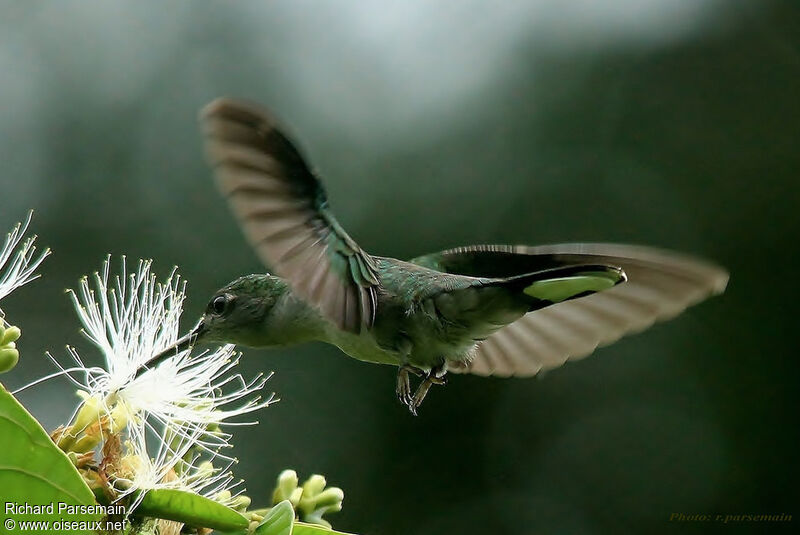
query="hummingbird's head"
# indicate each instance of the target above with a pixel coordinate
(254, 311)
(240, 312)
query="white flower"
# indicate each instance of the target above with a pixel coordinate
(173, 466)
(129, 320)
(133, 319)
(166, 418)
(23, 266)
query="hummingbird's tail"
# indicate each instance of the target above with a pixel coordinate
(484, 305)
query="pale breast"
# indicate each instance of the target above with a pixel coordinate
(364, 347)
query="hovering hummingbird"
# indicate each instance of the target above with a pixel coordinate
(484, 309)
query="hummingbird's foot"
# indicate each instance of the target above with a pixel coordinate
(403, 389)
(419, 372)
(437, 380)
(434, 377)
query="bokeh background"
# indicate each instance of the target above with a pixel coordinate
(435, 124)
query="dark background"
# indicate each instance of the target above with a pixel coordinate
(437, 124)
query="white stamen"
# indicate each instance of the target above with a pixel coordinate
(131, 318)
(22, 268)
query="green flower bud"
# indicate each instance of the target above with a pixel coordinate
(86, 443)
(10, 334)
(317, 500)
(257, 515)
(88, 414)
(312, 500)
(119, 418)
(330, 498)
(294, 497)
(313, 485)
(214, 428)
(240, 503)
(9, 357)
(66, 439)
(287, 485)
(204, 470)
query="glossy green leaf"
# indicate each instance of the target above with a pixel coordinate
(34, 471)
(191, 509)
(278, 521)
(301, 528)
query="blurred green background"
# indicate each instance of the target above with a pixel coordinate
(435, 124)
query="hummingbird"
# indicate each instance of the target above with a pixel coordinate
(488, 310)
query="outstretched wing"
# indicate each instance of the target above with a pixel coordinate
(283, 211)
(660, 285)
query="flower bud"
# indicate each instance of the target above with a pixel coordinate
(240, 503)
(66, 439)
(86, 443)
(317, 501)
(331, 498)
(10, 334)
(295, 496)
(223, 496)
(287, 485)
(313, 485)
(9, 357)
(88, 414)
(119, 418)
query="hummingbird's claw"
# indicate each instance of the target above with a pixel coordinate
(403, 389)
(419, 395)
(434, 377)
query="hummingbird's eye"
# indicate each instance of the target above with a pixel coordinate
(219, 304)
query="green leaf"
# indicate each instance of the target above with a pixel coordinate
(301, 528)
(34, 471)
(191, 509)
(278, 521)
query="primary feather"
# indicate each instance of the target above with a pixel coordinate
(283, 210)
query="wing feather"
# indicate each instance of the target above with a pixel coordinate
(661, 284)
(283, 211)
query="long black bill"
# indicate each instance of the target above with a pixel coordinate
(185, 342)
